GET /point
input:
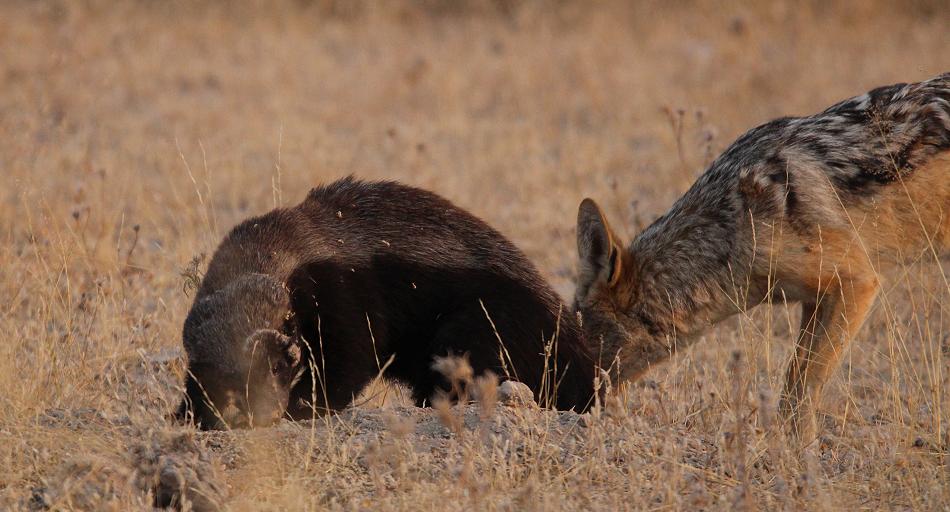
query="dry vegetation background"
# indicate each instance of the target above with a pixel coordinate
(134, 134)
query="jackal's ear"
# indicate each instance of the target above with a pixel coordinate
(598, 246)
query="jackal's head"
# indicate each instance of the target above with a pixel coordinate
(242, 361)
(606, 297)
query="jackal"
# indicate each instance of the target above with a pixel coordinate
(801, 209)
(302, 307)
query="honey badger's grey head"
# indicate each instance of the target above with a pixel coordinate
(242, 362)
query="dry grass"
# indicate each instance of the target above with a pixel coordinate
(132, 135)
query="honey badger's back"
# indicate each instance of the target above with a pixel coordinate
(353, 221)
(373, 271)
(357, 220)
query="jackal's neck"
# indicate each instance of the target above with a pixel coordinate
(688, 270)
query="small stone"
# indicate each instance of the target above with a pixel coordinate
(515, 393)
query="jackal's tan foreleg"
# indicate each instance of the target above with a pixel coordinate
(828, 325)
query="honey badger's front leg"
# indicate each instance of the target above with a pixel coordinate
(829, 323)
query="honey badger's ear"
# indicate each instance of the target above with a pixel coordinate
(598, 246)
(279, 351)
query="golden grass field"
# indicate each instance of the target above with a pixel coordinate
(133, 135)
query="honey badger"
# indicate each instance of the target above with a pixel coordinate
(301, 307)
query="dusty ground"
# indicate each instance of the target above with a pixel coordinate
(134, 134)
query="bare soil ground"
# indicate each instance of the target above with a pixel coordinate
(134, 134)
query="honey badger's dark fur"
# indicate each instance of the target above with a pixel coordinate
(361, 272)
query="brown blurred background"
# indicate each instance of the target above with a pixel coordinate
(134, 134)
